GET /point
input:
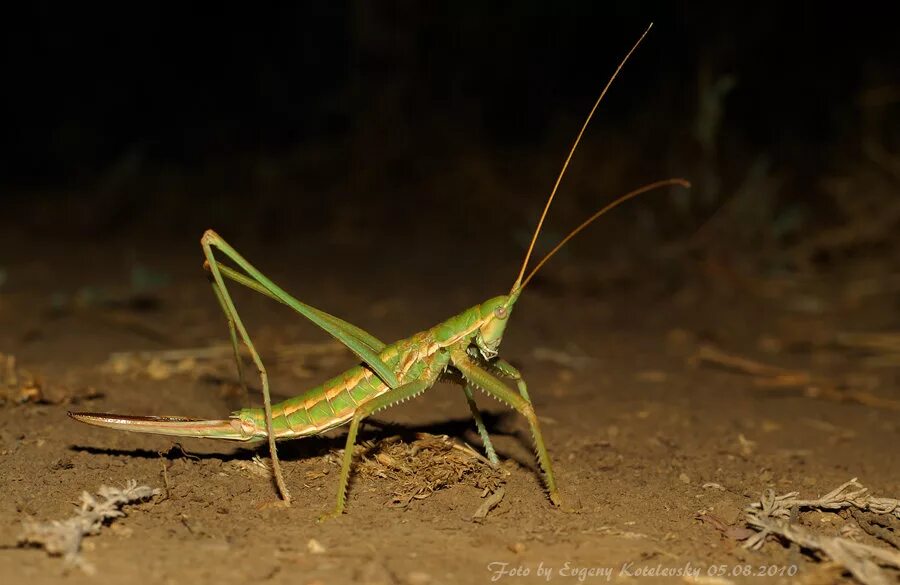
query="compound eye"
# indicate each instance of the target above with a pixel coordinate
(500, 312)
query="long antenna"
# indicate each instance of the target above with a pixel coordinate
(565, 166)
(590, 220)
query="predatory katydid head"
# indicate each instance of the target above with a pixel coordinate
(496, 311)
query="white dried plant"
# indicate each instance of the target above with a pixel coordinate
(64, 537)
(771, 516)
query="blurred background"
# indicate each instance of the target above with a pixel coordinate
(387, 161)
(361, 123)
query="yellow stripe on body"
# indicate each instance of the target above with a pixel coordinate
(420, 347)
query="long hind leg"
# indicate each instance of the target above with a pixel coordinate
(364, 345)
(235, 323)
(232, 333)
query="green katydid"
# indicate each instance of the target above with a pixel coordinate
(462, 350)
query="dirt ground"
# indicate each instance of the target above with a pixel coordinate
(659, 438)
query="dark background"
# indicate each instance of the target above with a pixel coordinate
(350, 116)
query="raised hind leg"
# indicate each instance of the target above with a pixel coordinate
(236, 324)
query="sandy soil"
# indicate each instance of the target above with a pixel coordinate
(656, 454)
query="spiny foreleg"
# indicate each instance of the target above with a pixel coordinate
(484, 380)
(454, 377)
(503, 368)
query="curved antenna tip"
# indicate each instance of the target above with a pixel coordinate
(615, 203)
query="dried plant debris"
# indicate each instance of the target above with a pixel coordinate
(305, 360)
(489, 504)
(64, 537)
(574, 359)
(776, 516)
(17, 386)
(161, 365)
(430, 463)
(20, 386)
(880, 350)
(867, 225)
(775, 378)
(859, 290)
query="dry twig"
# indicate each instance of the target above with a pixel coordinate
(489, 504)
(64, 537)
(772, 517)
(773, 377)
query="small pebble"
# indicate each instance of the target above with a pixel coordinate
(517, 547)
(684, 478)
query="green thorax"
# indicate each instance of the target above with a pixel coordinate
(422, 356)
